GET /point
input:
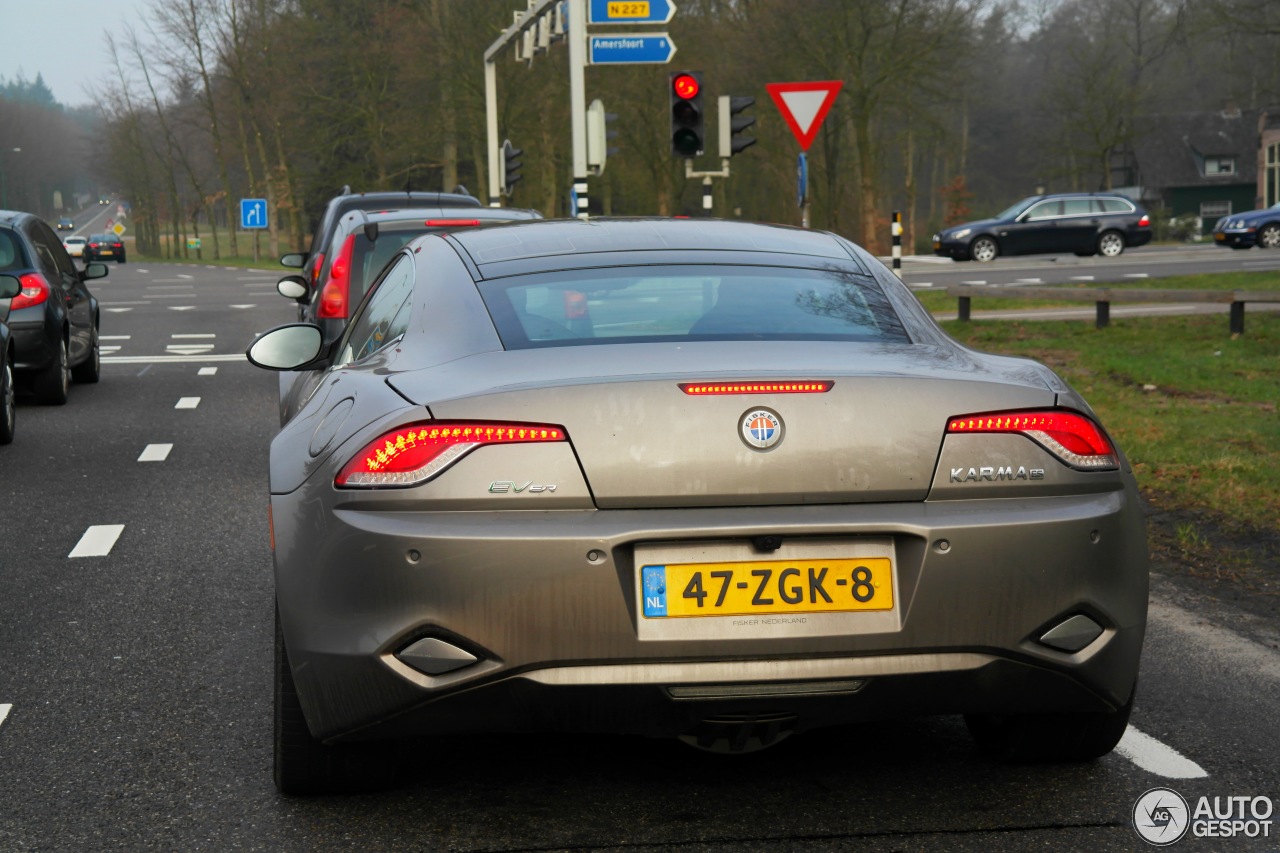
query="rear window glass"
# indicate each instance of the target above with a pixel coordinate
(12, 257)
(644, 304)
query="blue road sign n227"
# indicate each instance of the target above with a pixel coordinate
(630, 11)
(654, 49)
(253, 213)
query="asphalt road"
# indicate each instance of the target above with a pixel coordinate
(135, 686)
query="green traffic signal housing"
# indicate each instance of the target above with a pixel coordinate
(688, 122)
(510, 165)
(731, 123)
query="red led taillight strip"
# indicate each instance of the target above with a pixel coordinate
(414, 453)
(1070, 436)
(709, 389)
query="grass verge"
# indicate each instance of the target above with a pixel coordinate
(1194, 410)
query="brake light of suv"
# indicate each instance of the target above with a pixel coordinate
(335, 297)
(35, 291)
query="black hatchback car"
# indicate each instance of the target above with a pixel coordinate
(54, 319)
(1081, 223)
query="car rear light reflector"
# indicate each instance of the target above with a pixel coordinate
(35, 291)
(1070, 436)
(1144, 222)
(335, 297)
(451, 223)
(710, 389)
(415, 453)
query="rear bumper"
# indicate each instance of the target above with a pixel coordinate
(33, 348)
(1139, 238)
(556, 637)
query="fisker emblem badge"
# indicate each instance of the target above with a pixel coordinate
(761, 429)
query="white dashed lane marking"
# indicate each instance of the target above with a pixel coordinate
(1136, 275)
(1154, 757)
(187, 403)
(4, 712)
(97, 541)
(155, 453)
(207, 371)
(181, 307)
(194, 335)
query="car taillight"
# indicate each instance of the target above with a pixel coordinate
(35, 291)
(414, 453)
(1072, 437)
(1144, 222)
(451, 223)
(93, 245)
(709, 389)
(334, 298)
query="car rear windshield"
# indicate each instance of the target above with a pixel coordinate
(682, 303)
(12, 256)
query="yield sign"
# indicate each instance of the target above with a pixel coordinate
(804, 105)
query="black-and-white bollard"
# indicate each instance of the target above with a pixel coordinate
(897, 243)
(706, 196)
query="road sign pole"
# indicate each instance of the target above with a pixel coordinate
(491, 129)
(802, 172)
(578, 100)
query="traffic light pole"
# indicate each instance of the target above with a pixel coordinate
(706, 179)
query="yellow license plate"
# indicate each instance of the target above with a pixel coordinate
(633, 9)
(106, 253)
(1219, 237)
(767, 586)
(937, 245)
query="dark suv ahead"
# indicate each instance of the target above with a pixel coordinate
(347, 201)
(54, 320)
(1081, 223)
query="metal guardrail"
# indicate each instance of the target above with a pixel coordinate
(1102, 297)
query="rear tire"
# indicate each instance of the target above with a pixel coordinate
(1049, 738)
(90, 370)
(1269, 236)
(8, 405)
(304, 765)
(984, 249)
(1111, 244)
(53, 383)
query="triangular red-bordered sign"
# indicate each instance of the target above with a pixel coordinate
(804, 105)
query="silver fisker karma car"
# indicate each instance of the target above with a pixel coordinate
(718, 481)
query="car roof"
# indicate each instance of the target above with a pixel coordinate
(553, 237)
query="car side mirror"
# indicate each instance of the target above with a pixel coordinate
(293, 287)
(9, 286)
(295, 260)
(94, 270)
(295, 346)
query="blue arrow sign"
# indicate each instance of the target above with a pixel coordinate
(654, 49)
(630, 11)
(253, 213)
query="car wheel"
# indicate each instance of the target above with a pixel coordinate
(984, 250)
(8, 405)
(1110, 244)
(1047, 738)
(1269, 236)
(304, 765)
(53, 383)
(90, 370)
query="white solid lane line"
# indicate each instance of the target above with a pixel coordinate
(207, 371)
(155, 453)
(97, 541)
(187, 402)
(1154, 757)
(4, 712)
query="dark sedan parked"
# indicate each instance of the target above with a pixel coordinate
(711, 480)
(1081, 223)
(10, 287)
(54, 319)
(1259, 228)
(104, 247)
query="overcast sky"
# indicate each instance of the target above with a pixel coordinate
(64, 41)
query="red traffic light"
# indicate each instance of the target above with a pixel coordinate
(685, 86)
